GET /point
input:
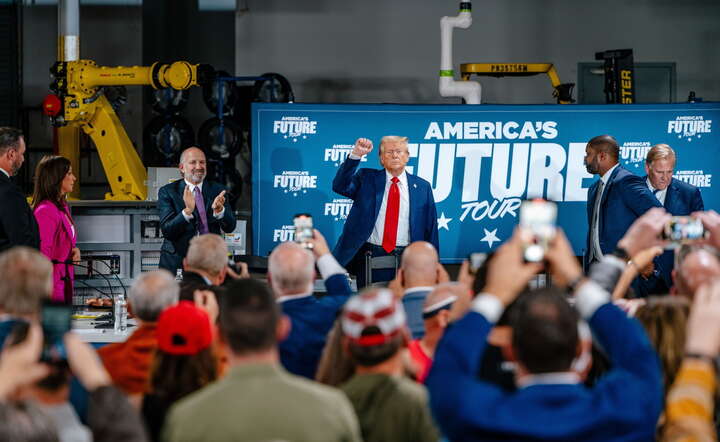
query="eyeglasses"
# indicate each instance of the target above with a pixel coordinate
(392, 153)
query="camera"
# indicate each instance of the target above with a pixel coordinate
(537, 228)
(304, 230)
(683, 230)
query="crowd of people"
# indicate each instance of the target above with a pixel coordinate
(250, 360)
(225, 355)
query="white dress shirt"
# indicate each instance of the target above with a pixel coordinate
(596, 225)
(660, 195)
(191, 216)
(556, 378)
(403, 233)
(5, 172)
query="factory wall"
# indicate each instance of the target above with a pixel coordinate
(389, 51)
(113, 36)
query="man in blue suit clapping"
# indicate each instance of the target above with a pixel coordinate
(391, 208)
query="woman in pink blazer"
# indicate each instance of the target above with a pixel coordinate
(54, 179)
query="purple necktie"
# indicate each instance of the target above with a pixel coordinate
(200, 206)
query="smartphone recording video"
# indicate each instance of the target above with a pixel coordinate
(683, 230)
(537, 227)
(303, 230)
(56, 321)
(476, 260)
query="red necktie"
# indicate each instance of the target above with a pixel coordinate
(391, 217)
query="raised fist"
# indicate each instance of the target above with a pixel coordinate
(362, 147)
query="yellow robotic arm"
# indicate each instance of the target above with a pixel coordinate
(80, 102)
(561, 91)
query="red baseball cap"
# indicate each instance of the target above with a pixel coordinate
(184, 329)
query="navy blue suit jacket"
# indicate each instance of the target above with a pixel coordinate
(681, 199)
(366, 187)
(178, 232)
(623, 405)
(626, 197)
(18, 226)
(311, 319)
(413, 305)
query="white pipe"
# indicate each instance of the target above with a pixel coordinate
(69, 29)
(470, 91)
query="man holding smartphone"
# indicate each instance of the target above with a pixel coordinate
(677, 197)
(391, 208)
(25, 284)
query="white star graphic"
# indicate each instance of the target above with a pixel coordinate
(490, 237)
(443, 222)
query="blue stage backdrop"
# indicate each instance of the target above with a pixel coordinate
(481, 161)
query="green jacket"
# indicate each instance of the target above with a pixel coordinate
(391, 408)
(262, 402)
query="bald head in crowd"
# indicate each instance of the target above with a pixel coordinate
(419, 265)
(26, 280)
(151, 293)
(291, 269)
(207, 256)
(695, 266)
(436, 310)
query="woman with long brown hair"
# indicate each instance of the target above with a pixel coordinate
(185, 360)
(54, 179)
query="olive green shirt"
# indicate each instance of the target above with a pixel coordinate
(391, 408)
(262, 402)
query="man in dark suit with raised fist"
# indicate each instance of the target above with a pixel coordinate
(391, 208)
(189, 207)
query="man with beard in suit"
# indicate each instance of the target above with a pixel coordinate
(614, 202)
(17, 223)
(190, 207)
